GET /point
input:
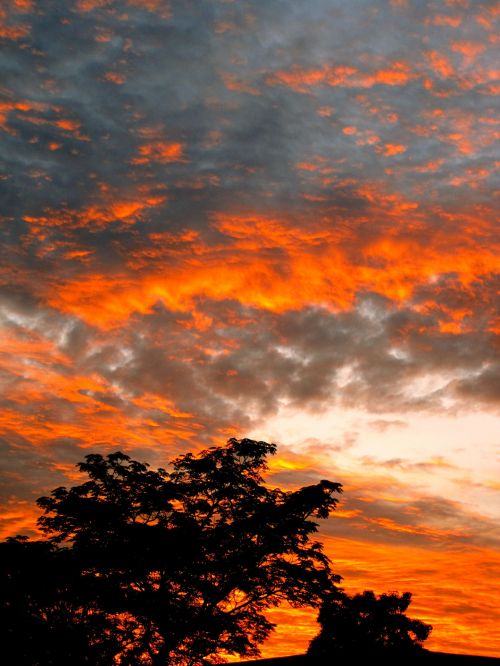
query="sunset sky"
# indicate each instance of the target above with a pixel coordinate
(272, 219)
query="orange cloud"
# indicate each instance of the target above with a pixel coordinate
(486, 19)
(300, 79)
(232, 82)
(469, 50)
(274, 264)
(325, 111)
(115, 77)
(307, 166)
(430, 167)
(9, 12)
(21, 105)
(25, 110)
(159, 151)
(98, 216)
(440, 64)
(68, 125)
(14, 32)
(24, 6)
(160, 7)
(394, 149)
(446, 20)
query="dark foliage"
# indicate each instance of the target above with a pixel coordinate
(367, 626)
(163, 567)
(47, 614)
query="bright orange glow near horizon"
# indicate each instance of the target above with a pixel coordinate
(275, 220)
(436, 587)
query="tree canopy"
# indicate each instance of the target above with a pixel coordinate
(367, 626)
(166, 567)
(48, 613)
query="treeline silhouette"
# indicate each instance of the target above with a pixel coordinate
(177, 567)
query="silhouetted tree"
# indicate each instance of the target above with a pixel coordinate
(175, 567)
(47, 616)
(369, 627)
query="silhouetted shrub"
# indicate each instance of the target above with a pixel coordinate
(367, 627)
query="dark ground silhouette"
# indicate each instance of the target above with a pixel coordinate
(427, 657)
